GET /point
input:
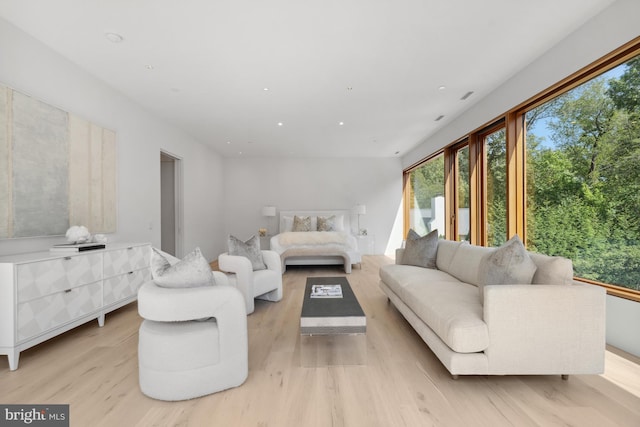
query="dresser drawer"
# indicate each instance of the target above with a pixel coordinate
(125, 260)
(124, 286)
(38, 279)
(42, 314)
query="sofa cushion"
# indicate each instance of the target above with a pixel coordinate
(453, 311)
(420, 250)
(551, 270)
(397, 276)
(450, 308)
(446, 251)
(466, 262)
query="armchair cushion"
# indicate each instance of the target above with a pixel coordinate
(249, 249)
(192, 271)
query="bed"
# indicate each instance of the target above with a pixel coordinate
(335, 247)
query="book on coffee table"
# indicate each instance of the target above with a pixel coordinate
(77, 247)
(326, 291)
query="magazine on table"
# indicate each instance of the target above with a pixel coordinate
(326, 291)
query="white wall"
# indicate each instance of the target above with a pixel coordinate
(612, 28)
(30, 67)
(302, 183)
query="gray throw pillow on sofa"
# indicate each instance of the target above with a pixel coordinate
(249, 249)
(509, 264)
(420, 251)
(190, 272)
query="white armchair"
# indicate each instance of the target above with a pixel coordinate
(193, 341)
(261, 284)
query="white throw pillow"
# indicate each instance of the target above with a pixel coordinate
(192, 271)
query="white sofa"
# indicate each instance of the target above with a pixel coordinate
(551, 326)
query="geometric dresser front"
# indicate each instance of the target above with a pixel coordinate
(44, 294)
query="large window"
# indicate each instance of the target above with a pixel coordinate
(562, 170)
(426, 197)
(583, 181)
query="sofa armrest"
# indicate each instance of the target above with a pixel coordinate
(545, 329)
(399, 253)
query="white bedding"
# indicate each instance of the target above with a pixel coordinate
(313, 239)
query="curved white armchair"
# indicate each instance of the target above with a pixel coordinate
(261, 284)
(193, 341)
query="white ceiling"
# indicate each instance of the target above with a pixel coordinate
(212, 59)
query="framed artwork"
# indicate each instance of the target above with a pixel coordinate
(56, 170)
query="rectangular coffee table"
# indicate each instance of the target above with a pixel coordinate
(331, 316)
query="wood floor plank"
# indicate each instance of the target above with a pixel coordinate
(399, 382)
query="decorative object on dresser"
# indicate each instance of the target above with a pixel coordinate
(44, 294)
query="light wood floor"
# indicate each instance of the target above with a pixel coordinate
(398, 382)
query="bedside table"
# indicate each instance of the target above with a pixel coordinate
(366, 244)
(265, 242)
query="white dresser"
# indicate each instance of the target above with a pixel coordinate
(44, 294)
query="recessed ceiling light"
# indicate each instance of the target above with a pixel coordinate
(442, 88)
(341, 123)
(150, 67)
(240, 152)
(440, 117)
(349, 87)
(114, 37)
(280, 123)
(266, 89)
(228, 142)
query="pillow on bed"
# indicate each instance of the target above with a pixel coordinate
(327, 223)
(331, 223)
(287, 223)
(301, 223)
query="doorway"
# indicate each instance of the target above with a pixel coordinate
(170, 204)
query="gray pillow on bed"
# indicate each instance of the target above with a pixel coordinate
(301, 223)
(327, 223)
